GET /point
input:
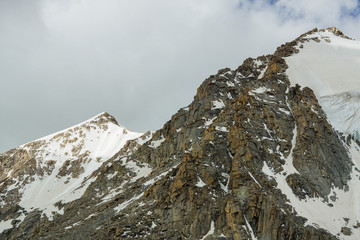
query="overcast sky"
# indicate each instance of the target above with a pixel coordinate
(62, 62)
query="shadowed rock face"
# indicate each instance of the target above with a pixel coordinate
(228, 166)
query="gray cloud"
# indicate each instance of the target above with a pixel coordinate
(62, 62)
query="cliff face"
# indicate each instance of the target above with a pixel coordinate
(254, 156)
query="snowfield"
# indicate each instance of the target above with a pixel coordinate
(331, 68)
(328, 67)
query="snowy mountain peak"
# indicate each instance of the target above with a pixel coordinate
(325, 62)
(333, 30)
(102, 118)
(98, 137)
(57, 168)
(336, 31)
(328, 62)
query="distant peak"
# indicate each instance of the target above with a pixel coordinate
(102, 118)
(294, 47)
(334, 30)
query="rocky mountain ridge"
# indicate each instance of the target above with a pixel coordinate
(57, 168)
(254, 156)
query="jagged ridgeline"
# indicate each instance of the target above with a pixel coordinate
(267, 151)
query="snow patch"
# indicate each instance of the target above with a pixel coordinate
(5, 225)
(123, 205)
(200, 183)
(225, 188)
(156, 143)
(249, 229)
(73, 225)
(230, 84)
(262, 73)
(284, 111)
(319, 213)
(289, 166)
(140, 172)
(254, 179)
(217, 104)
(223, 129)
(211, 230)
(153, 225)
(157, 178)
(208, 122)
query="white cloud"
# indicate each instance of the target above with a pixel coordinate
(319, 10)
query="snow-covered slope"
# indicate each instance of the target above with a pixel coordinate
(343, 111)
(329, 64)
(58, 168)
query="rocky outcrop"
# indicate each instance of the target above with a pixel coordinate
(219, 169)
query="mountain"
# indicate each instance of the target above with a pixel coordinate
(58, 168)
(269, 150)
